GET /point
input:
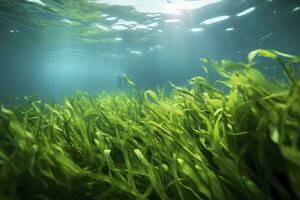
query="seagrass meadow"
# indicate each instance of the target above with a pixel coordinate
(234, 139)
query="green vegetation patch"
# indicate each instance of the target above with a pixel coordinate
(237, 141)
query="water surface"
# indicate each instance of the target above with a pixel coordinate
(55, 47)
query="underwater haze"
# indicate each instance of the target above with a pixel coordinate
(52, 48)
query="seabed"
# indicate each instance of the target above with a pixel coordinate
(234, 139)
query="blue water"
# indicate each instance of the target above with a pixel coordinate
(54, 47)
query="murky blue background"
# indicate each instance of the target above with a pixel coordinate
(55, 47)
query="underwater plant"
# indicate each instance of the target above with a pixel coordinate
(237, 141)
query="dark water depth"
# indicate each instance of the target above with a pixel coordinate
(54, 47)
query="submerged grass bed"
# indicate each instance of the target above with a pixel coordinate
(197, 143)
